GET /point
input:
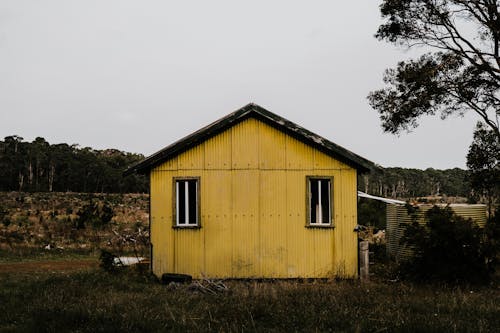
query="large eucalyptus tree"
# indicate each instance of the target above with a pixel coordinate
(460, 71)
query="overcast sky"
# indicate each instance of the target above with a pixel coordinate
(138, 75)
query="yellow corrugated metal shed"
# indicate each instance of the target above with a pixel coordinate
(253, 172)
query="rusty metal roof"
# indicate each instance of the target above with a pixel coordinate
(253, 111)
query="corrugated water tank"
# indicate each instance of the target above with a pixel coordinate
(397, 218)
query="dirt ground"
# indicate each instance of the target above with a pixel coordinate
(49, 266)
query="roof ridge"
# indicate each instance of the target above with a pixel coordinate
(260, 113)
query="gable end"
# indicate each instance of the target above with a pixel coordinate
(251, 110)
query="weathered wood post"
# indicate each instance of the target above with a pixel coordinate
(364, 261)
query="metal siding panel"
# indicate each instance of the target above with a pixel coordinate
(323, 161)
(391, 229)
(273, 223)
(322, 246)
(298, 155)
(350, 250)
(218, 151)
(345, 209)
(193, 159)
(161, 232)
(154, 232)
(339, 265)
(299, 260)
(217, 222)
(245, 145)
(478, 213)
(245, 203)
(189, 253)
(272, 148)
(168, 165)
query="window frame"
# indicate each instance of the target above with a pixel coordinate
(175, 223)
(309, 223)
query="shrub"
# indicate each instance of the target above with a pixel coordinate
(6, 221)
(22, 220)
(107, 261)
(492, 235)
(372, 213)
(4, 218)
(448, 248)
(96, 213)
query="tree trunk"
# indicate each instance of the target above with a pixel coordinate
(21, 181)
(52, 172)
(30, 174)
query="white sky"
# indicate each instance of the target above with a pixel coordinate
(138, 75)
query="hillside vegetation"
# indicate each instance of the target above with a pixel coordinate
(30, 222)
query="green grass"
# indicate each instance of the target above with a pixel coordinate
(96, 301)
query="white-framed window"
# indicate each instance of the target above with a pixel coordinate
(187, 202)
(319, 201)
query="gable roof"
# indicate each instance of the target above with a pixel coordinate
(252, 111)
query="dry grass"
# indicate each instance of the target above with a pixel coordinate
(129, 301)
(30, 222)
(80, 297)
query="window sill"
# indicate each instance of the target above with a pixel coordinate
(320, 226)
(186, 227)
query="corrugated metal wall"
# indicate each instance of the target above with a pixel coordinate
(397, 218)
(253, 209)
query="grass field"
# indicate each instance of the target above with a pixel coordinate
(62, 289)
(87, 299)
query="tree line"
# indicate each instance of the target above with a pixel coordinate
(39, 166)
(479, 183)
(411, 183)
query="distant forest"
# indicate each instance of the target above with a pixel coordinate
(39, 166)
(411, 183)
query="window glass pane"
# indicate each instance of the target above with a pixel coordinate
(325, 200)
(192, 201)
(181, 199)
(314, 204)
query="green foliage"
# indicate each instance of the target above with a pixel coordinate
(372, 213)
(483, 161)
(448, 248)
(459, 75)
(40, 166)
(492, 234)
